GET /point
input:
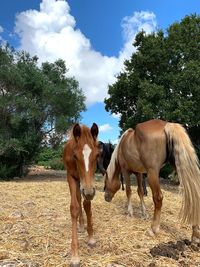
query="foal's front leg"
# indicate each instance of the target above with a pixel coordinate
(88, 211)
(81, 219)
(74, 210)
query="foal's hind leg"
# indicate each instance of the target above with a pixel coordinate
(140, 191)
(153, 179)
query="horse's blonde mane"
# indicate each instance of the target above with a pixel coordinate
(114, 158)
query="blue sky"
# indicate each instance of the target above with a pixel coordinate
(94, 37)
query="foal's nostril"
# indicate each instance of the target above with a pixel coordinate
(88, 194)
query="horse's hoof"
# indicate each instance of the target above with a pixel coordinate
(150, 233)
(92, 243)
(130, 211)
(195, 240)
(81, 229)
(196, 234)
(74, 264)
(145, 216)
(130, 214)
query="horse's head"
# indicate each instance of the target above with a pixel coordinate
(85, 156)
(111, 178)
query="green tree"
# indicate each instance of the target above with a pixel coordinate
(162, 79)
(36, 104)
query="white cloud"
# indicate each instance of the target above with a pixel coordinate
(105, 127)
(1, 29)
(116, 116)
(51, 33)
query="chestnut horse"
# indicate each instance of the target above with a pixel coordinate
(103, 160)
(145, 150)
(80, 155)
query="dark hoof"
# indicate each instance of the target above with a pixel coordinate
(92, 244)
(74, 265)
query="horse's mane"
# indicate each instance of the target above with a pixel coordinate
(114, 158)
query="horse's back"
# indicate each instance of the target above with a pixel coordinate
(150, 127)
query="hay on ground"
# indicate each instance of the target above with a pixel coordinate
(35, 226)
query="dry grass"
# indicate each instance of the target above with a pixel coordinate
(35, 226)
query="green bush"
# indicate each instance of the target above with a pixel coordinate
(166, 171)
(56, 164)
(6, 172)
(51, 158)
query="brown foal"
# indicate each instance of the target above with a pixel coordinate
(80, 156)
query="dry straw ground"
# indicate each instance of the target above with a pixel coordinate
(35, 226)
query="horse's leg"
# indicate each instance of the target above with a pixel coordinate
(196, 234)
(153, 179)
(74, 210)
(81, 219)
(144, 185)
(128, 192)
(140, 191)
(122, 181)
(88, 211)
(100, 164)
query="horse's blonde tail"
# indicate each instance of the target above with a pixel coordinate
(187, 167)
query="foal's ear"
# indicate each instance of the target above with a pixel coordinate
(77, 131)
(94, 131)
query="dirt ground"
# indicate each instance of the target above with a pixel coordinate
(35, 227)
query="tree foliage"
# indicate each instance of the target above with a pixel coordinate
(36, 104)
(162, 79)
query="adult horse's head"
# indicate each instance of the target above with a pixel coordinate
(111, 177)
(85, 156)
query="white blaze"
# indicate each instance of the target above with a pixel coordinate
(86, 153)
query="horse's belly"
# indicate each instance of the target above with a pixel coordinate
(134, 164)
(137, 166)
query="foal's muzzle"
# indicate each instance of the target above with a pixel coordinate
(88, 194)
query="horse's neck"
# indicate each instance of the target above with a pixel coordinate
(114, 168)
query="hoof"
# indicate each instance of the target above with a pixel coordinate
(81, 229)
(150, 233)
(130, 214)
(153, 231)
(196, 234)
(130, 211)
(145, 216)
(74, 264)
(92, 243)
(195, 240)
